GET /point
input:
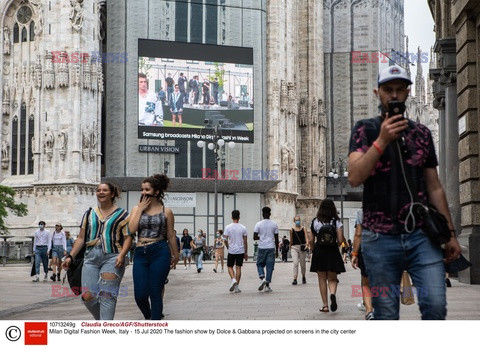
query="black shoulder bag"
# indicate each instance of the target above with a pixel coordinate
(74, 272)
(434, 223)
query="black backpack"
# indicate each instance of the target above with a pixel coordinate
(327, 235)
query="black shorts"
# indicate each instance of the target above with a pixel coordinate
(361, 264)
(233, 259)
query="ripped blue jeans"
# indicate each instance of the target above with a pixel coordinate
(105, 292)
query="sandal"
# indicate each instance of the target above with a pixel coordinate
(324, 309)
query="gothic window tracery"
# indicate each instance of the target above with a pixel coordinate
(16, 33)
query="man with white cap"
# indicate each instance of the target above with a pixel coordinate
(379, 148)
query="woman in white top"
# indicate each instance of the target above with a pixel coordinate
(59, 250)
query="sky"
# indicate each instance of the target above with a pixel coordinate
(419, 29)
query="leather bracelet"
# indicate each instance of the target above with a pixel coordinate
(380, 151)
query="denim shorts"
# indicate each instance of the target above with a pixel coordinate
(57, 251)
(187, 252)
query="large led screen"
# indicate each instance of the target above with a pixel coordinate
(190, 91)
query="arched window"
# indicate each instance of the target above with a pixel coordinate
(31, 128)
(23, 137)
(32, 30)
(16, 33)
(14, 145)
(24, 35)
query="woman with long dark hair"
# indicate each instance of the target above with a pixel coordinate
(104, 230)
(325, 237)
(156, 247)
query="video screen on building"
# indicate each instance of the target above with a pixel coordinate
(188, 91)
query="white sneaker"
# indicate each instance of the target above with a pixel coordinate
(262, 284)
(268, 289)
(361, 307)
(222, 270)
(36, 280)
(185, 267)
(233, 285)
(237, 289)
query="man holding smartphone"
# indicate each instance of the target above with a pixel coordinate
(374, 161)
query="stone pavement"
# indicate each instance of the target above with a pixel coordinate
(205, 296)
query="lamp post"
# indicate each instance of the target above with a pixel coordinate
(216, 144)
(339, 166)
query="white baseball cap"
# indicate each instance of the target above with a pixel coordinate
(391, 73)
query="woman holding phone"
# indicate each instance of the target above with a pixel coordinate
(153, 255)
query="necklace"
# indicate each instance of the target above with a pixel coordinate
(106, 213)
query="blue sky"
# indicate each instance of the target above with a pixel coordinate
(419, 29)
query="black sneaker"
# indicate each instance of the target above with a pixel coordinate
(304, 280)
(294, 282)
(449, 284)
(58, 276)
(53, 277)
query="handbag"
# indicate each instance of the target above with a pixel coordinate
(74, 272)
(434, 223)
(406, 290)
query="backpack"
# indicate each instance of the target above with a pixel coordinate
(327, 235)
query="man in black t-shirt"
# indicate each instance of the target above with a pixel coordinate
(379, 147)
(169, 84)
(186, 249)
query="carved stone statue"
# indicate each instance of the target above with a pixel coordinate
(6, 93)
(303, 171)
(285, 157)
(93, 142)
(76, 14)
(48, 144)
(39, 12)
(6, 41)
(291, 158)
(5, 150)
(63, 143)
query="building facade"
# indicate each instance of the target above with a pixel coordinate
(68, 123)
(456, 93)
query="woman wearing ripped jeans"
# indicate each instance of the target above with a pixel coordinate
(105, 231)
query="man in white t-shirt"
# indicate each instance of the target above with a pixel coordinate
(266, 231)
(150, 112)
(236, 243)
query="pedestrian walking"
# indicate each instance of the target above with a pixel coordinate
(156, 250)
(386, 153)
(219, 249)
(42, 242)
(186, 248)
(237, 246)
(59, 250)
(266, 232)
(326, 236)
(284, 248)
(299, 238)
(70, 241)
(357, 261)
(104, 230)
(198, 246)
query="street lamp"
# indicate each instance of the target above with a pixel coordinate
(339, 166)
(216, 144)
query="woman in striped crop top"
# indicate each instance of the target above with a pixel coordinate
(156, 247)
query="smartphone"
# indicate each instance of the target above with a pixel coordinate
(396, 108)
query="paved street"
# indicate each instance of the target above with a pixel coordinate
(205, 296)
